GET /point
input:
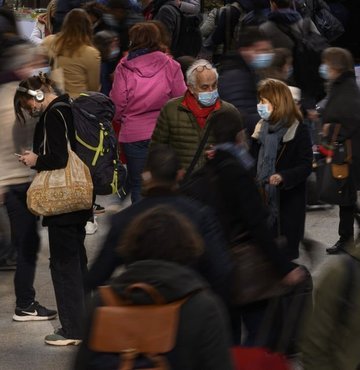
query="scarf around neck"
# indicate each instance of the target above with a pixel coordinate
(200, 113)
(269, 138)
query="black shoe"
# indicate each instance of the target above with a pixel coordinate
(338, 247)
(35, 312)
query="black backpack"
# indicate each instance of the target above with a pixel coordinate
(308, 47)
(187, 38)
(97, 143)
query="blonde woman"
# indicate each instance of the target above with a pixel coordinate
(73, 51)
(44, 24)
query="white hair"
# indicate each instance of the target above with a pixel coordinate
(192, 70)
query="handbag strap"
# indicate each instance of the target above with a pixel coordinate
(198, 150)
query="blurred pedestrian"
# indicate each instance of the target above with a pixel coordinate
(331, 331)
(144, 81)
(153, 256)
(254, 53)
(161, 178)
(15, 178)
(68, 261)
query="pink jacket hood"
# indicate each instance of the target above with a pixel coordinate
(147, 65)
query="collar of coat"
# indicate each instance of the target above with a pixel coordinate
(289, 134)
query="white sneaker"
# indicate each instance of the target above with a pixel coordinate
(91, 227)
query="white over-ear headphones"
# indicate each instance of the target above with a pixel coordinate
(37, 94)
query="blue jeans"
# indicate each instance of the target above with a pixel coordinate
(136, 154)
(25, 238)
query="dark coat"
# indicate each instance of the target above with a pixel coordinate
(294, 164)
(202, 340)
(56, 156)
(343, 106)
(214, 265)
(226, 186)
(237, 85)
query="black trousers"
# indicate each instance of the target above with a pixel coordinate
(346, 223)
(25, 238)
(68, 265)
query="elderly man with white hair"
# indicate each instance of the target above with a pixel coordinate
(184, 121)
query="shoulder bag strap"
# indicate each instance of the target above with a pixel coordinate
(198, 151)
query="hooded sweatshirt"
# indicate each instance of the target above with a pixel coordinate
(202, 340)
(141, 87)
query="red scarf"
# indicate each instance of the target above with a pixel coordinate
(200, 113)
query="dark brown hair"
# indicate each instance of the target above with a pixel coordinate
(75, 32)
(279, 95)
(41, 82)
(146, 35)
(161, 233)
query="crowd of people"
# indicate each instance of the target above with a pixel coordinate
(219, 139)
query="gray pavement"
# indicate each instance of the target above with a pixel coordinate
(22, 344)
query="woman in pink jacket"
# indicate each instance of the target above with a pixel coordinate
(144, 81)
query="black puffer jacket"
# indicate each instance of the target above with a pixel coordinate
(202, 340)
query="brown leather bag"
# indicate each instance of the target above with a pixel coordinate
(149, 330)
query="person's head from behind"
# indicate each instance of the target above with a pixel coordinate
(107, 43)
(227, 127)
(255, 48)
(162, 168)
(280, 4)
(276, 103)
(335, 62)
(76, 32)
(32, 96)
(202, 81)
(161, 233)
(165, 35)
(281, 66)
(146, 35)
(95, 11)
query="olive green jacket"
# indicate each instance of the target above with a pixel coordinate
(329, 343)
(177, 127)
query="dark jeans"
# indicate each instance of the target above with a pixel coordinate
(25, 238)
(136, 154)
(346, 223)
(68, 265)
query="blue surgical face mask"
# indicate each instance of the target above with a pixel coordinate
(264, 111)
(324, 71)
(262, 60)
(208, 99)
(114, 53)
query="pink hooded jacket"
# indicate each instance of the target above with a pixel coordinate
(141, 87)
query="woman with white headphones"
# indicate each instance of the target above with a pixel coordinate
(68, 261)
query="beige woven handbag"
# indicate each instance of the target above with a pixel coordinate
(61, 191)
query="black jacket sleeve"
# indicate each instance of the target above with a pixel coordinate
(56, 155)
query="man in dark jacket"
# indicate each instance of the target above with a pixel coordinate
(160, 182)
(238, 78)
(343, 107)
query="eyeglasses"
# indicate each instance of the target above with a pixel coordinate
(202, 68)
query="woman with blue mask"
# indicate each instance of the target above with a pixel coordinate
(284, 161)
(342, 106)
